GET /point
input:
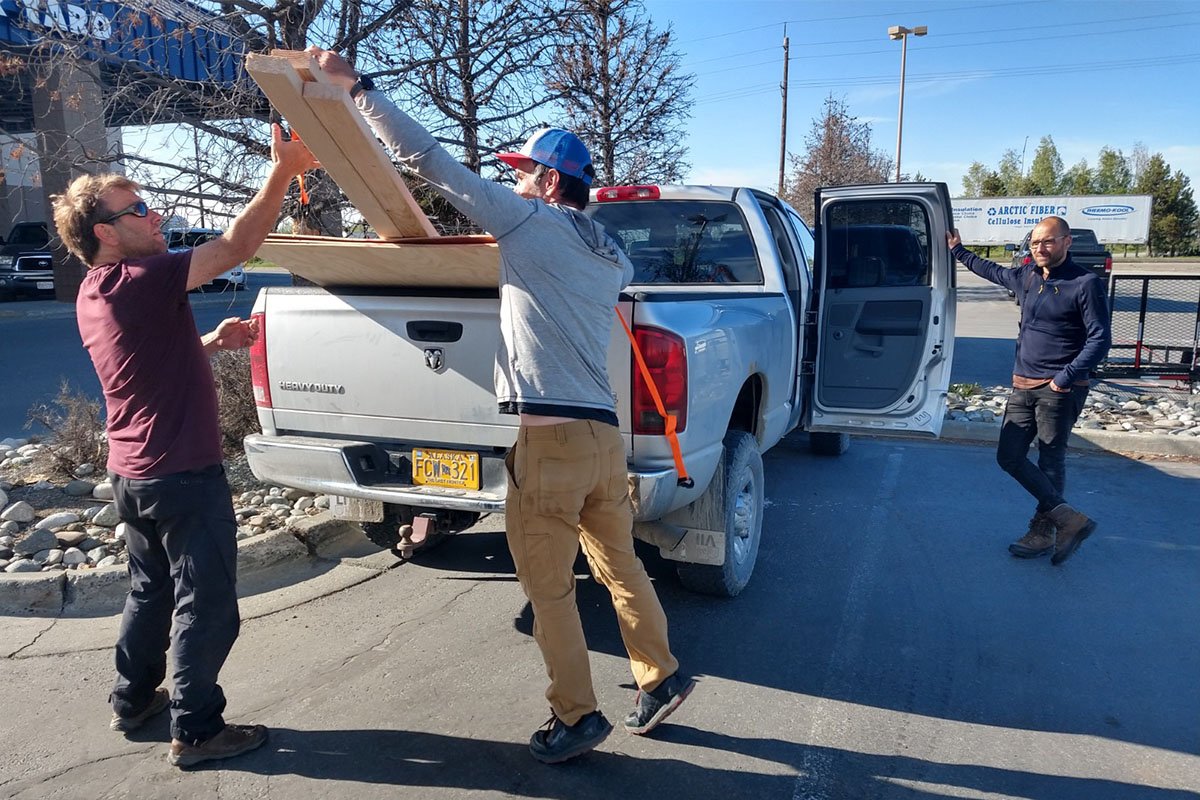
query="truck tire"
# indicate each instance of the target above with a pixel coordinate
(743, 522)
(828, 443)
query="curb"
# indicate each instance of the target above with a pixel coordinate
(103, 590)
(1085, 439)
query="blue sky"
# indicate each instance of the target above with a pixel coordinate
(988, 75)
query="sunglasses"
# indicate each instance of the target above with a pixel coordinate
(138, 209)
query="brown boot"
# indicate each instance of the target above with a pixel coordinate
(233, 740)
(1038, 541)
(1073, 528)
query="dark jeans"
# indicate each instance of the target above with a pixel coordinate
(1048, 416)
(182, 543)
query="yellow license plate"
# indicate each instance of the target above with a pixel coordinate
(449, 468)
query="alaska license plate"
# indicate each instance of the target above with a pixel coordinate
(45, 285)
(452, 469)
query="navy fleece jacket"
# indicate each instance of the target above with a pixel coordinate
(1064, 329)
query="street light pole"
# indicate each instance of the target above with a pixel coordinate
(901, 33)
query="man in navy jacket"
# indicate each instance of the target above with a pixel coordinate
(1063, 335)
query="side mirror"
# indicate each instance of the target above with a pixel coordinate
(1010, 247)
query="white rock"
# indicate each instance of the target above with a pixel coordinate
(12, 444)
(73, 557)
(256, 500)
(6, 540)
(107, 561)
(122, 531)
(274, 491)
(3, 498)
(19, 511)
(322, 501)
(9, 528)
(83, 470)
(29, 449)
(96, 555)
(58, 520)
(48, 558)
(1131, 405)
(103, 491)
(107, 517)
(23, 565)
(304, 503)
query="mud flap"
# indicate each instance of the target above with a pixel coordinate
(694, 534)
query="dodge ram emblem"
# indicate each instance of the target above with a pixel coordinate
(434, 358)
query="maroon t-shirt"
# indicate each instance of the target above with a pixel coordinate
(137, 325)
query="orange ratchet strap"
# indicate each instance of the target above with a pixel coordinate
(669, 419)
(300, 177)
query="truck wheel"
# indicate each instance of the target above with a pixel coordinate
(743, 522)
(828, 443)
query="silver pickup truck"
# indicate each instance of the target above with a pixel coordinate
(751, 325)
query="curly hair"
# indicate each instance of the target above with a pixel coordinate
(78, 208)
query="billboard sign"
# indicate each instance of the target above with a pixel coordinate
(1118, 218)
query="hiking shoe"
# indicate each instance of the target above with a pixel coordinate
(557, 742)
(652, 707)
(126, 724)
(233, 740)
(1038, 541)
(1073, 528)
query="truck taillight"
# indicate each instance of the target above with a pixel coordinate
(667, 361)
(258, 364)
(1108, 265)
(610, 193)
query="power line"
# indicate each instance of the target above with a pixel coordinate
(981, 74)
(926, 47)
(1005, 39)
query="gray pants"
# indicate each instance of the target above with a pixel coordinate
(181, 539)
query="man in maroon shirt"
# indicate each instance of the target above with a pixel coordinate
(164, 444)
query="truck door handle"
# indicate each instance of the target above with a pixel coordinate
(432, 330)
(874, 350)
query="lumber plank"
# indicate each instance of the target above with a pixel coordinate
(304, 64)
(329, 261)
(333, 106)
(283, 86)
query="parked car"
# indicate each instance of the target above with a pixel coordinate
(186, 238)
(752, 324)
(26, 264)
(1086, 251)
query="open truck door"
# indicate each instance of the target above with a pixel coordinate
(885, 290)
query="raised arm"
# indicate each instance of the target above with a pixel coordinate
(492, 206)
(249, 228)
(988, 270)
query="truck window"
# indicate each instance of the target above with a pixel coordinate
(807, 246)
(878, 243)
(784, 246)
(29, 235)
(1081, 237)
(682, 241)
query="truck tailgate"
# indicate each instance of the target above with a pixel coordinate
(398, 367)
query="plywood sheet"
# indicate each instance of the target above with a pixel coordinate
(338, 136)
(465, 261)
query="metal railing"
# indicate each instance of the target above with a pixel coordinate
(1155, 323)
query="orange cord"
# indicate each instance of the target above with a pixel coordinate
(669, 420)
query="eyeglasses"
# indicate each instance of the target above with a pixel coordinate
(138, 209)
(1036, 243)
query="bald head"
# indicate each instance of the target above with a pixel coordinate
(1049, 242)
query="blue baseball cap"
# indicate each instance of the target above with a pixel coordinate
(557, 149)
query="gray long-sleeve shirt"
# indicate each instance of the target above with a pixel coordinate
(560, 276)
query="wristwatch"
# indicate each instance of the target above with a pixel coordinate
(361, 85)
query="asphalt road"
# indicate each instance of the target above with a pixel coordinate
(887, 647)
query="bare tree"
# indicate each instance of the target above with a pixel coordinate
(623, 92)
(838, 152)
(471, 69)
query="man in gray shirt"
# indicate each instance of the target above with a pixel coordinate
(560, 277)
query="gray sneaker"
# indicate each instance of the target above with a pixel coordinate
(233, 740)
(652, 707)
(126, 724)
(557, 741)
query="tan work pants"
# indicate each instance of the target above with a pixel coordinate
(568, 486)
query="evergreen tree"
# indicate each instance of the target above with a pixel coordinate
(1046, 170)
(1112, 174)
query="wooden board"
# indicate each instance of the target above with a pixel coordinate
(346, 148)
(466, 261)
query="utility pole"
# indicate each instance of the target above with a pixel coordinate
(783, 124)
(901, 33)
